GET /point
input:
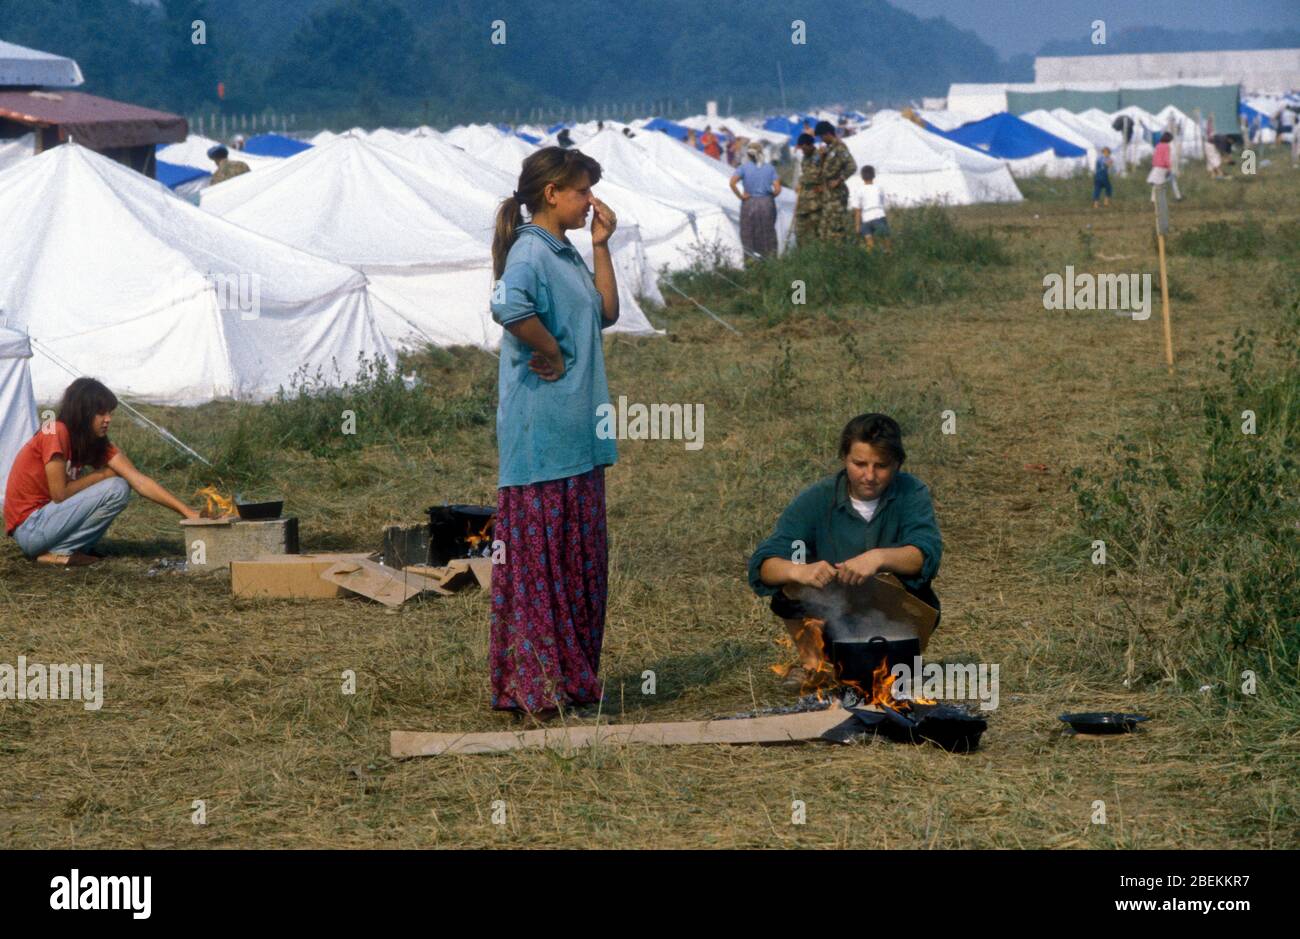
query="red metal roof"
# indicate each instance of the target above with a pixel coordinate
(97, 123)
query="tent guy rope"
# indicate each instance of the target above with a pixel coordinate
(161, 431)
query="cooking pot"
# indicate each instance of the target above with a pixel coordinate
(856, 659)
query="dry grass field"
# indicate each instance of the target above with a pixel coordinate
(238, 702)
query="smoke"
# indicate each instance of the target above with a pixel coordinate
(832, 604)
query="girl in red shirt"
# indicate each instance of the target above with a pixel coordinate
(69, 483)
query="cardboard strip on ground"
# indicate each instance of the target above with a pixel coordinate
(457, 573)
(777, 728)
(382, 584)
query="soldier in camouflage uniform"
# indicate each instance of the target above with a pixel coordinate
(835, 221)
(807, 212)
(226, 167)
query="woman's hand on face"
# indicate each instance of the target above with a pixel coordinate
(603, 222)
(817, 574)
(857, 570)
(547, 367)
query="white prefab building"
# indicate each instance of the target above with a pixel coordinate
(1254, 69)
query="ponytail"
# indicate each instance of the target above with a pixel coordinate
(503, 238)
(550, 165)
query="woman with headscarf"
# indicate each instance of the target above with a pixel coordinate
(757, 204)
(548, 597)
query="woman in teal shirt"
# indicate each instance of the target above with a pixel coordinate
(548, 598)
(866, 519)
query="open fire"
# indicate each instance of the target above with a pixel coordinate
(482, 536)
(826, 676)
(218, 506)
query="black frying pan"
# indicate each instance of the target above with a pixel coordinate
(1103, 722)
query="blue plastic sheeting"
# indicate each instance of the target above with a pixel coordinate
(272, 145)
(783, 125)
(1253, 116)
(172, 175)
(665, 126)
(1007, 137)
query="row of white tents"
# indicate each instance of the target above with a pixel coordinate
(359, 246)
(371, 242)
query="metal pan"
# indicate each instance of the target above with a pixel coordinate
(1103, 722)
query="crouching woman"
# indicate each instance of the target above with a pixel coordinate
(68, 483)
(868, 518)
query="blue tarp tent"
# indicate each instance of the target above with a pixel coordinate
(792, 128)
(1007, 137)
(1253, 117)
(273, 145)
(665, 126)
(172, 175)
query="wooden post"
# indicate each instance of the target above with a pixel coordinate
(1162, 228)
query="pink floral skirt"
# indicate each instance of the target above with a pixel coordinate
(548, 598)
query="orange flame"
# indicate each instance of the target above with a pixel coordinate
(218, 506)
(882, 684)
(482, 535)
(825, 674)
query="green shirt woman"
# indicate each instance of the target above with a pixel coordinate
(867, 519)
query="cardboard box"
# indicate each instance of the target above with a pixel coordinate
(458, 574)
(288, 576)
(379, 583)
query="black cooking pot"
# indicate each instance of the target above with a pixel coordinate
(450, 527)
(251, 511)
(856, 659)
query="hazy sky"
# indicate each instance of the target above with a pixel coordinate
(1014, 26)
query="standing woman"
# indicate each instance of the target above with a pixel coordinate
(757, 204)
(69, 482)
(548, 598)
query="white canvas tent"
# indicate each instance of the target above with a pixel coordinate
(111, 274)
(1098, 135)
(1138, 148)
(916, 167)
(480, 183)
(17, 403)
(1045, 120)
(655, 165)
(362, 205)
(474, 137)
(16, 150)
(1188, 136)
(193, 151)
(738, 127)
(663, 232)
(422, 238)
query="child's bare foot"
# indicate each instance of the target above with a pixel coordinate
(76, 559)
